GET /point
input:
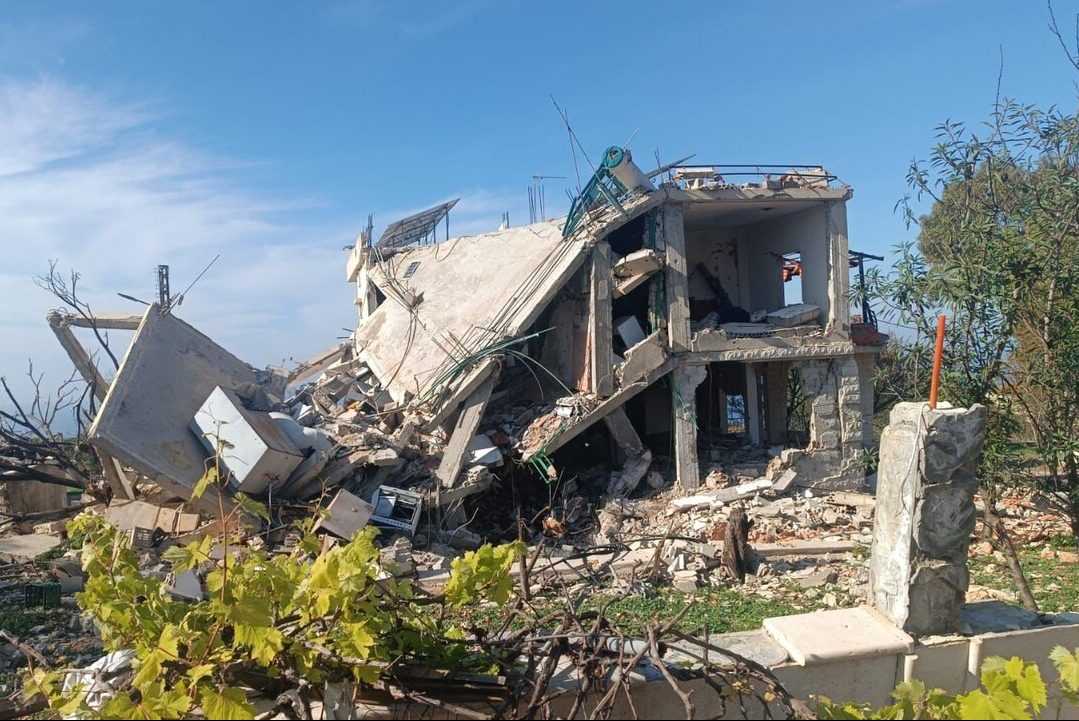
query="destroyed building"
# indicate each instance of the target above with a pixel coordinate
(658, 310)
(660, 305)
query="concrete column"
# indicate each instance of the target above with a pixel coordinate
(677, 278)
(838, 312)
(77, 353)
(684, 382)
(601, 345)
(721, 405)
(925, 514)
(867, 366)
(775, 399)
(753, 411)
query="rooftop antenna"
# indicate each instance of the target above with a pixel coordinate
(180, 298)
(164, 296)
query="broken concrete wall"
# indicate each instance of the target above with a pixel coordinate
(804, 232)
(925, 514)
(23, 497)
(833, 457)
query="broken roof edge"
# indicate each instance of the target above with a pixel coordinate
(737, 193)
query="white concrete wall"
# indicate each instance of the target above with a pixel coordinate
(717, 250)
(805, 232)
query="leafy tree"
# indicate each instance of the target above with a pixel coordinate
(998, 253)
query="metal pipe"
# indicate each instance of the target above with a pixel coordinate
(938, 353)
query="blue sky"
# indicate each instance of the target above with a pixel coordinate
(133, 134)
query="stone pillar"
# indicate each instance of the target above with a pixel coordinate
(601, 345)
(723, 410)
(833, 457)
(684, 382)
(775, 401)
(753, 406)
(851, 419)
(925, 514)
(867, 367)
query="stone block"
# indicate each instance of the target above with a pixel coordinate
(842, 634)
(936, 595)
(939, 663)
(944, 519)
(828, 439)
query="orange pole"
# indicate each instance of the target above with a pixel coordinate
(937, 355)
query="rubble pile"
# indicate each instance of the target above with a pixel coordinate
(579, 384)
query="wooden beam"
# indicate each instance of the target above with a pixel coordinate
(684, 384)
(601, 343)
(453, 458)
(677, 277)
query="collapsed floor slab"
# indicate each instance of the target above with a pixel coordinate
(167, 373)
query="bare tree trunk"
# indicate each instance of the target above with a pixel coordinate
(998, 536)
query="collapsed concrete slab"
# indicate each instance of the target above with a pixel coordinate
(167, 373)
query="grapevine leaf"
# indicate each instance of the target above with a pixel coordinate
(210, 476)
(1068, 666)
(229, 703)
(1002, 704)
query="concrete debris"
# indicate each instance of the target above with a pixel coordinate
(25, 548)
(484, 452)
(253, 449)
(623, 374)
(794, 315)
(345, 515)
(185, 585)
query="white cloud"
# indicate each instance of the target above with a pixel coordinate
(86, 181)
(46, 121)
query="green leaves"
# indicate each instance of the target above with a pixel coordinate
(1068, 666)
(210, 476)
(485, 570)
(321, 616)
(1011, 689)
(265, 642)
(167, 649)
(999, 705)
(183, 558)
(228, 703)
(253, 507)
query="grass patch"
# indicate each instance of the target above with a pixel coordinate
(1062, 542)
(1054, 583)
(715, 610)
(17, 619)
(42, 561)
